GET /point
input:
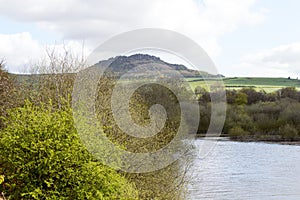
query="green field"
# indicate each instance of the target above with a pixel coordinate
(266, 84)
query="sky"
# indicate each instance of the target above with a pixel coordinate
(250, 38)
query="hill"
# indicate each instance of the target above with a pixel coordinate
(123, 64)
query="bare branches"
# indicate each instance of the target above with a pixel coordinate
(55, 74)
(60, 61)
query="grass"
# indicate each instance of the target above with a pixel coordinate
(258, 83)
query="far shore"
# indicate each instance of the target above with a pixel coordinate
(251, 139)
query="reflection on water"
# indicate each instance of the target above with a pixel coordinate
(238, 170)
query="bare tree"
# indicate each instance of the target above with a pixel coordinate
(55, 75)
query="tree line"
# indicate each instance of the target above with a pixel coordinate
(256, 115)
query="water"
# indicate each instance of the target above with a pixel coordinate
(238, 170)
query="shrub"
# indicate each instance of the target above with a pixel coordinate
(253, 96)
(42, 157)
(290, 114)
(237, 132)
(237, 116)
(289, 92)
(266, 124)
(241, 98)
(288, 132)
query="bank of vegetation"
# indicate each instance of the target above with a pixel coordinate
(42, 156)
(256, 115)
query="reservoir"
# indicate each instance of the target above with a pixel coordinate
(241, 170)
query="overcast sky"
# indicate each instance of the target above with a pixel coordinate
(243, 37)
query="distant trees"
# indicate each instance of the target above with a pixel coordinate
(289, 92)
(258, 115)
(245, 96)
(253, 96)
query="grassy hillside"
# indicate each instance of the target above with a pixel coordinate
(266, 84)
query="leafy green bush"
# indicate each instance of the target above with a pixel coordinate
(42, 157)
(241, 98)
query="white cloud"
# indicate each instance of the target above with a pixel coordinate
(20, 51)
(281, 61)
(95, 20)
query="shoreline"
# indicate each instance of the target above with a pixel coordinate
(251, 139)
(282, 142)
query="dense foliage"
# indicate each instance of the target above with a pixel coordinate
(166, 183)
(7, 92)
(42, 157)
(256, 115)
